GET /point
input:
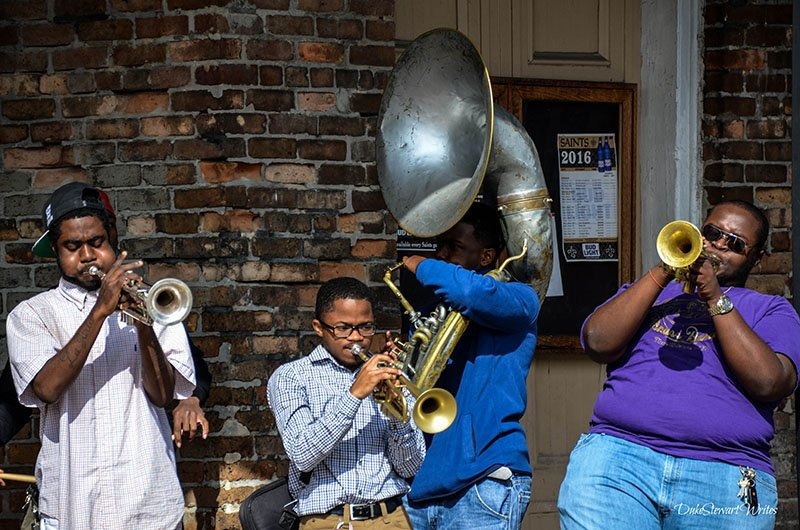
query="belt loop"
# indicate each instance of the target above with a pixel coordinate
(384, 512)
(346, 514)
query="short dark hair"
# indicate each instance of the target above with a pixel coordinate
(486, 225)
(55, 230)
(762, 232)
(344, 288)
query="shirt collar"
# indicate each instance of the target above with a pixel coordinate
(76, 294)
(320, 354)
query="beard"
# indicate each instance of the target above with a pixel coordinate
(90, 285)
(737, 277)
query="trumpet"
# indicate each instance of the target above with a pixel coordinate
(434, 409)
(166, 302)
(679, 245)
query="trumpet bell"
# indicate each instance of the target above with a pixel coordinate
(168, 301)
(434, 410)
(679, 244)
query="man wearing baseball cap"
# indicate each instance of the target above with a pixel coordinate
(100, 383)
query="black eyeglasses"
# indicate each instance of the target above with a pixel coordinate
(732, 241)
(343, 331)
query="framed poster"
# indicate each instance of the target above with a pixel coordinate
(584, 135)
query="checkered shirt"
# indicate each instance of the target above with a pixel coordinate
(357, 454)
(107, 459)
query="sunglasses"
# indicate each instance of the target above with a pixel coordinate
(732, 241)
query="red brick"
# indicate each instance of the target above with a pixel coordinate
(321, 6)
(293, 123)
(204, 50)
(372, 55)
(23, 10)
(54, 178)
(143, 150)
(769, 129)
(226, 74)
(211, 23)
(223, 172)
(106, 129)
(271, 100)
(272, 147)
(750, 59)
(380, 30)
(199, 148)
(201, 100)
(126, 55)
(289, 25)
(84, 57)
(168, 126)
(322, 149)
(132, 6)
(768, 36)
(332, 269)
(336, 28)
(296, 76)
(111, 29)
(11, 134)
(150, 28)
(377, 8)
(270, 75)
(29, 109)
(269, 50)
(36, 157)
(27, 61)
(316, 101)
(52, 132)
(321, 52)
(226, 123)
(321, 77)
(47, 35)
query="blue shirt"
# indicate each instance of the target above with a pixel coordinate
(357, 454)
(487, 374)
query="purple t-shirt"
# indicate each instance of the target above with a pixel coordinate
(673, 392)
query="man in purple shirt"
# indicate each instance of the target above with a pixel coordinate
(680, 434)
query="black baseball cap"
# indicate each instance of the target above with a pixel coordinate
(66, 199)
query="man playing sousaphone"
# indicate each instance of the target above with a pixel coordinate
(100, 383)
(477, 473)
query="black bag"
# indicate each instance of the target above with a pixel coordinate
(269, 508)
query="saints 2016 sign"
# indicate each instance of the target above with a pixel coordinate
(587, 165)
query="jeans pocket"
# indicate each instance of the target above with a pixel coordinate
(585, 439)
(494, 497)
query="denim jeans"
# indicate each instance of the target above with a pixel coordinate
(489, 505)
(613, 483)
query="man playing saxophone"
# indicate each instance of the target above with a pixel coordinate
(477, 473)
(100, 383)
(349, 462)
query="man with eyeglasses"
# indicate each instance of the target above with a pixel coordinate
(349, 462)
(680, 434)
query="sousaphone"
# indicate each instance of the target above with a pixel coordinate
(440, 139)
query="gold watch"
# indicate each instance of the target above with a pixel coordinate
(723, 305)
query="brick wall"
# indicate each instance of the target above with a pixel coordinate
(235, 138)
(747, 152)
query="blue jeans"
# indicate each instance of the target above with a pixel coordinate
(489, 504)
(613, 483)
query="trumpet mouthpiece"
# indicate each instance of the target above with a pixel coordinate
(356, 350)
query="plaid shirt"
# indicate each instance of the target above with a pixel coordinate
(107, 459)
(357, 454)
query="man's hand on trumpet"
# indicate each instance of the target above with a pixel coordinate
(115, 285)
(375, 372)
